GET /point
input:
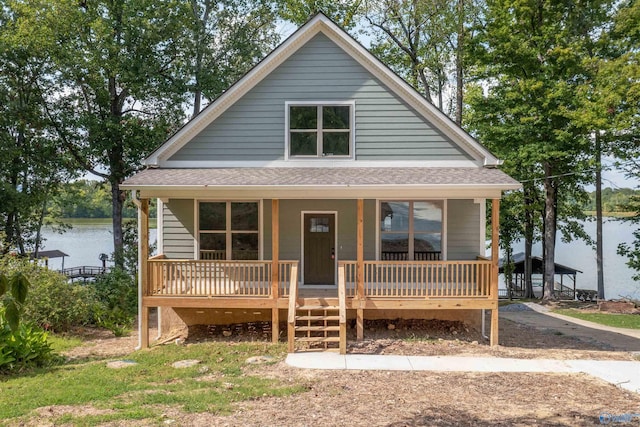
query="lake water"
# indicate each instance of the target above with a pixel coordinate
(83, 243)
(88, 239)
(579, 255)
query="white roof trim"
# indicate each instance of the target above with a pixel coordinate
(321, 162)
(320, 23)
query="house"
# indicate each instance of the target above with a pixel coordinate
(319, 187)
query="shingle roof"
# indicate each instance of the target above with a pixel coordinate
(321, 177)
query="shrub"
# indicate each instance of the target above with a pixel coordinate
(57, 305)
(23, 348)
(117, 296)
(51, 302)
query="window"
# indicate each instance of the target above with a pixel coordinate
(320, 130)
(411, 230)
(228, 230)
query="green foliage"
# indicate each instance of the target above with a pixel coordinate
(51, 302)
(88, 199)
(23, 347)
(613, 200)
(58, 305)
(117, 296)
(13, 291)
(344, 12)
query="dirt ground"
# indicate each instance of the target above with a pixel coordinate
(378, 398)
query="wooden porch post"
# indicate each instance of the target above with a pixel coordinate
(275, 268)
(144, 257)
(495, 235)
(360, 271)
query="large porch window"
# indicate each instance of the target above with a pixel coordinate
(228, 230)
(411, 230)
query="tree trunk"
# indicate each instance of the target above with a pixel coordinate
(459, 65)
(197, 99)
(117, 201)
(43, 212)
(599, 243)
(528, 241)
(549, 232)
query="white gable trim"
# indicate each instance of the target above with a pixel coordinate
(320, 23)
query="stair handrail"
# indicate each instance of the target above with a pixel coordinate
(342, 303)
(293, 300)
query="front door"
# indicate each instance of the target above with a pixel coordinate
(319, 249)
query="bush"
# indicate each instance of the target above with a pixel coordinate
(117, 295)
(24, 348)
(51, 302)
(57, 305)
(110, 301)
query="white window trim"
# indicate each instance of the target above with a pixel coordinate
(335, 242)
(444, 233)
(196, 224)
(352, 133)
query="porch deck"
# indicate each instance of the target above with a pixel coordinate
(383, 285)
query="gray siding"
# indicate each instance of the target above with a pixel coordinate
(178, 229)
(386, 127)
(290, 227)
(463, 226)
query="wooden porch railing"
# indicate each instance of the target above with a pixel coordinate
(171, 277)
(421, 279)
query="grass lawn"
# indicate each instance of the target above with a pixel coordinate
(630, 321)
(136, 392)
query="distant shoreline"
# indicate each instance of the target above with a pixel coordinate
(97, 221)
(612, 214)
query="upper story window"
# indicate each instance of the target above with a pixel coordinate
(320, 129)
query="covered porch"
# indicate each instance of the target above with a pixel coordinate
(273, 284)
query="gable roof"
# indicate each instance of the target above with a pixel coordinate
(321, 24)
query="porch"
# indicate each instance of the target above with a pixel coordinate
(274, 285)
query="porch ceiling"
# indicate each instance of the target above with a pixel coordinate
(345, 181)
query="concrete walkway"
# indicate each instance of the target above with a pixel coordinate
(539, 317)
(625, 374)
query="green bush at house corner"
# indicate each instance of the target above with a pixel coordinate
(117, 298)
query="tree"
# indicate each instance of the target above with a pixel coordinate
(426, 41)
(345, 13)
(115, 96)
(530, 52)
(225, 39)
(33, 161)
(621, 84)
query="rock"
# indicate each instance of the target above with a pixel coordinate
(474, 342)
(455, 332)
(180, 364)
(257, 360)
(118, 364)
(226, 333)
(391, 326)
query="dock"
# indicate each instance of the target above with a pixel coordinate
(84, 272)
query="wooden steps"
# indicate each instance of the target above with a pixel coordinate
(317, 323)
(316, 326)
